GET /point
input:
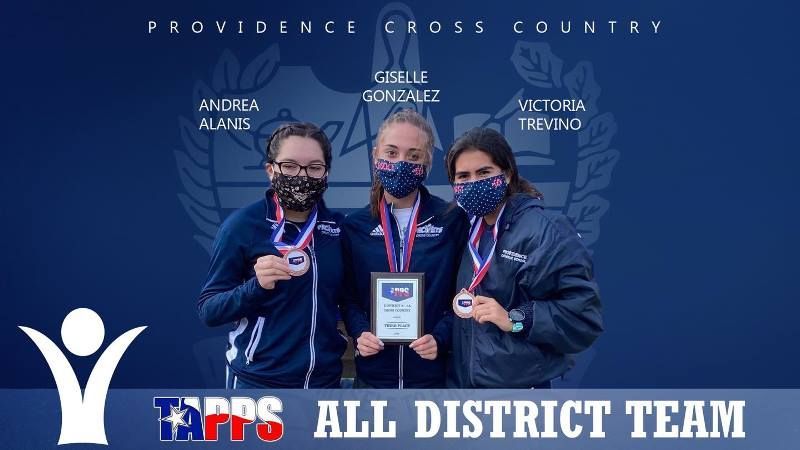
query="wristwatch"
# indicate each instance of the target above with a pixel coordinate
(516, 316)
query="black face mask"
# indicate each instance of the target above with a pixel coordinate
(298, 193)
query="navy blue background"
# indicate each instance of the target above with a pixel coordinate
(697, 256)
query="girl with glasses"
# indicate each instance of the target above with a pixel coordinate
(276, 273)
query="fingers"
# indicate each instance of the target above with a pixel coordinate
(485, 313)
(364, 351)
(272, 272)
(421, 341)
(268, 282)
(271, 262)
(479, 311)
(372, 338)
(423, 344)
(429, 355)
(482, 300)
(369, 343)
(425, 347)
(270, 269)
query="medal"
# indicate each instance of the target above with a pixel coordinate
(298, 262)
(408, 239)
(463, 303)
(294, 255)
(464, 300)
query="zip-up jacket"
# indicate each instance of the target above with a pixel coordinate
(441, 235)
(284, 337)
(541, 267)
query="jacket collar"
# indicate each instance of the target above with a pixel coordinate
(427, 208)
(516, 205)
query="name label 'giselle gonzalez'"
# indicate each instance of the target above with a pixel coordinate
(225, 113)
(408, 90)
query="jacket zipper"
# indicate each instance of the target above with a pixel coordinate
(472, 352)
(255, 336)
(400, 348)
(400, 363)
(313, 313)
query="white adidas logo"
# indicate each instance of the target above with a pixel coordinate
(378, 231)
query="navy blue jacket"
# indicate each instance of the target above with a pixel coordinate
(285, 337)
(441, 235)
(539, 266)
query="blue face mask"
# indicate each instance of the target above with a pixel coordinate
(479, 198)
(400, 178)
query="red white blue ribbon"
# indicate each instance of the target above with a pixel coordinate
(408, 238)
(480, 265)
(303, 239)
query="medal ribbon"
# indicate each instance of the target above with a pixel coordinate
(480, 266)
(408, 239)
(303, 238)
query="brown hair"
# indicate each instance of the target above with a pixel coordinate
(409, 116)
(495, 145)
(301, 129)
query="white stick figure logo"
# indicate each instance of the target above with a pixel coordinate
(82, 333)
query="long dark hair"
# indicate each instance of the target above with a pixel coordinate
(492, 143)
(301, 129)
(409, 116)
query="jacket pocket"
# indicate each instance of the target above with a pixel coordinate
(507, 361)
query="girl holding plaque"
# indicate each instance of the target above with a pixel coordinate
(276, 273)
(404, 230)
(528, 298)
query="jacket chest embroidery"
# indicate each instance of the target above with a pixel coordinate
(328, 229)
(425, 231)
(513, 256)
(429, 231)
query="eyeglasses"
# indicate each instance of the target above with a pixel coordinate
(292, 169)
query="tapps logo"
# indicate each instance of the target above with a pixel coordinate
(296, 260)
(398, 291)
(183, 418)
(223, 170)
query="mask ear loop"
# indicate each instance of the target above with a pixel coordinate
(429, 166)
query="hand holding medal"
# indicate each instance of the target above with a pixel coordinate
(488, 310)
(270, 269)
(296, 259)
(464, 301)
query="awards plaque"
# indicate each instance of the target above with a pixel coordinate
(397, 306)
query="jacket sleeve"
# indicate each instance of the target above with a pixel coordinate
(355, 317)
(443, 330)
(561, 294)
(228, 294)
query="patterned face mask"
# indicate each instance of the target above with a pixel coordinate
(399, 178)
(479, 198)
(299, 193)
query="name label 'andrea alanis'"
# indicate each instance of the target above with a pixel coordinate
(225, 106)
